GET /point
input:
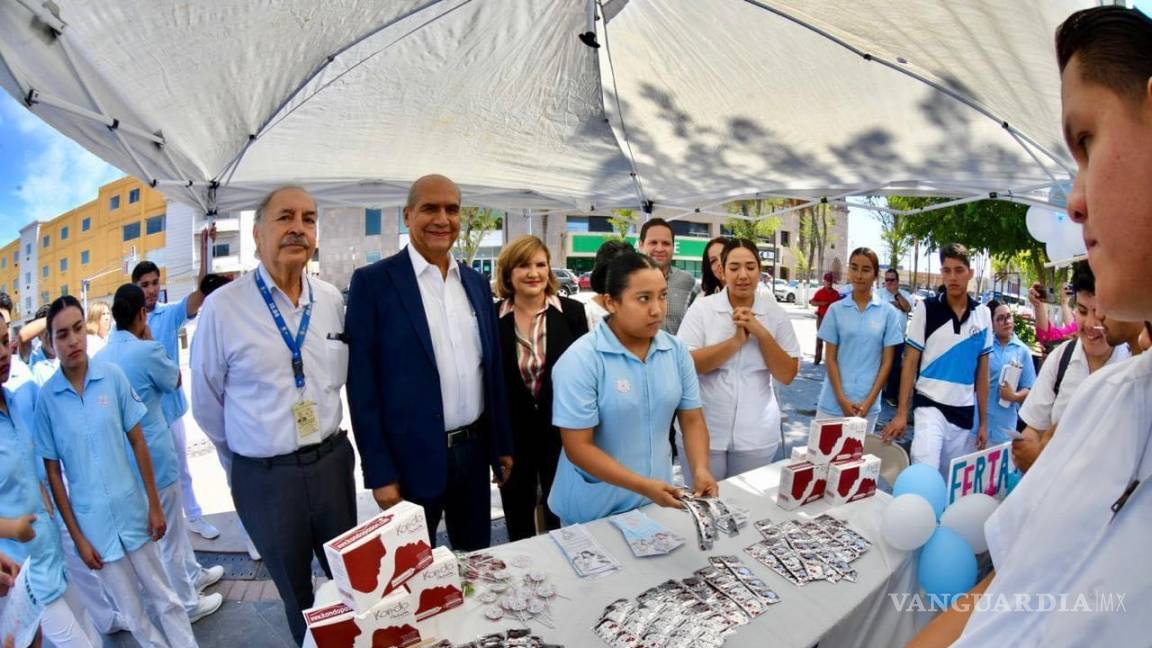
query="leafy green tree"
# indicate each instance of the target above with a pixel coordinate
(622, 222)
(995, 226)
(475, 223)
(754, 223)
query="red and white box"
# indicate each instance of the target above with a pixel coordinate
(379, 555)
(437, 588)
(800, 483)
(391, 623)
(799, 453)
(836, 439)
(851, 480)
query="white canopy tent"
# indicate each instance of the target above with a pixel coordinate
(684, 103)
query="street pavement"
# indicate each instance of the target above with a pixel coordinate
(252, 615)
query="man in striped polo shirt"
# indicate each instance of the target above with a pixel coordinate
(949, 340)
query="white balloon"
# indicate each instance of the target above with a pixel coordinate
(1073, 235)
(908, 522)
(967, 516)
(1041, 223)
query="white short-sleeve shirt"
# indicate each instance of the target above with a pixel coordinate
(1044, 407)
(1054, 540)
(739, 403)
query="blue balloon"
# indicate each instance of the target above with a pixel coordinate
(1014, 477)
(925, 481)
(947, 566)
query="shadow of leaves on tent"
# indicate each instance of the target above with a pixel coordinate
(749, 155)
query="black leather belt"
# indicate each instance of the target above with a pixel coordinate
(461, 434)
(306, 455)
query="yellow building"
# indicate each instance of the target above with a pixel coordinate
(89, 244)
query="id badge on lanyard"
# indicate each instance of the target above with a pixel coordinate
(303, 411)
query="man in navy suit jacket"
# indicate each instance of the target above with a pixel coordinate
(425, 381)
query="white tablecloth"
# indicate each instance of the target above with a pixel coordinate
(833, 614)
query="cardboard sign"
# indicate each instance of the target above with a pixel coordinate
(985, 471)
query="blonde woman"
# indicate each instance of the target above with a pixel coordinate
(536, 327)
(99, 323)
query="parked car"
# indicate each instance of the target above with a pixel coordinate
(569, 284)
(585, 281)
(1015, 302)
(783, 291)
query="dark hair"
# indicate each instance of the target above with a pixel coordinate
(61, 303)
(41, 312)
(710, 283)
(1114, 45)
(608, 250)
(655, 222)
(5, 302)
(1083, 280)
(143, 268)
(620, 269)
(992, 306)
(738, 243)
(892, 270)
(869, 254)
(126, 305)
(212, 281)
(956, 251)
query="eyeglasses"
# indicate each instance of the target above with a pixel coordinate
(1000, 319)
(889, 281)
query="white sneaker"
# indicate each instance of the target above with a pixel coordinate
(208, 577)
(204, 528)
(252, 553)
(205, 606)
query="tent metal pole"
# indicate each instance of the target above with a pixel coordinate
(36, 96)
(967, 101)
(620, 112)
(1032, 155)
(115, 126)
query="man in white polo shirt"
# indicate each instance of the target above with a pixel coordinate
(949, 340)
(1074, 533)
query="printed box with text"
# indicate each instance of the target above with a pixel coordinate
(379, 555)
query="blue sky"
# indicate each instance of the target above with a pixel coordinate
(42, 173)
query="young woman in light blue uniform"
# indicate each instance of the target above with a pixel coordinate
(22, 494)
(862, 333)
(112, 511)
(615, 393)
(1006, 349)
(153, 375)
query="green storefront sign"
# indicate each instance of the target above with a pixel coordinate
(688, 248)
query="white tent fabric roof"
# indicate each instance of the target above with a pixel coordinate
(687, 103)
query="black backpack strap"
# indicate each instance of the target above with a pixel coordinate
(1062, 368)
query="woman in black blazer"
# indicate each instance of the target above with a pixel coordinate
(536, 327)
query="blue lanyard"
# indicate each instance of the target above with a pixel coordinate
(295, 345)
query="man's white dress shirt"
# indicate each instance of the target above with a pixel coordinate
(1055, 543)
(243, 388)
(455, 340)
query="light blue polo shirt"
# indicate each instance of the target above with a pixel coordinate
(20, 496)
(87, 435)
(165, 322)
(1002, 420)
(152, 375)
(860, 338)
(599, 384)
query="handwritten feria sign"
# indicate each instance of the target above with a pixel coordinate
(984, 471)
